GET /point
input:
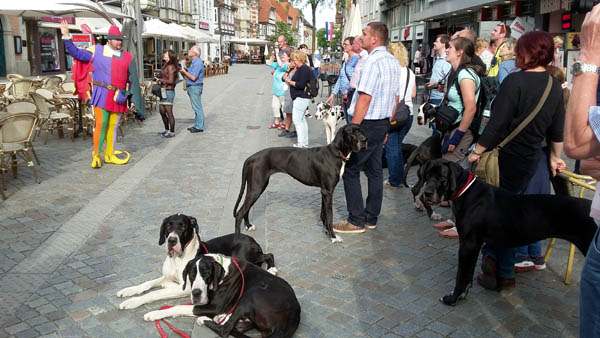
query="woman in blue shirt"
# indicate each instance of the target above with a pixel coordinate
(342, 85)
(279, 87)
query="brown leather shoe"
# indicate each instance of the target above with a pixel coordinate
(345, 227)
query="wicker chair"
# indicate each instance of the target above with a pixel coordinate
(52, 83)
(14, 77)
(50, 121)
(16, 132)
(67, 87)
(19, 90)
(29, 107)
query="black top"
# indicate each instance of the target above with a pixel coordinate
(519, 94)
(300, 77)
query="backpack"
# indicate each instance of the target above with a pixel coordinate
(312, 87)
(486, 90)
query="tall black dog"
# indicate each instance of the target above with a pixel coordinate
(318, 167)
(485, 214)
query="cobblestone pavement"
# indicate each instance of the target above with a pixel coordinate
(68, 244)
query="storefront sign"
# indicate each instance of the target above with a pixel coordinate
(70, 21)
(419, 31)
(497, 13)
(203, 25)
(482, 14)
(49, 55)
(407, 33)
(520, 27)
(82, 40)
(547, 6)
(515, 9)
(395, 35)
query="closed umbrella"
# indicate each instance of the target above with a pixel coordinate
(58, 8)
(353, 26)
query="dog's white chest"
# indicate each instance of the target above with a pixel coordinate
(344, 164)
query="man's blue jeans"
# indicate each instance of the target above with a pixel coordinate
(195, 94)
(393, 153)
(589, 296)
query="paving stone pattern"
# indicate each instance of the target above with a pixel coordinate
(70, 243)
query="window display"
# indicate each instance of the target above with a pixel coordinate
(49, 56)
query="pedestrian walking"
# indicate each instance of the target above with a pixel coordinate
(371, 108)
(301, 100)
(167, 82)
(114, 79)
(195, 83)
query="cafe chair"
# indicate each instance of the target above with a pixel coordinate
(14, 77)
(24, 106)
(16, 132)
(52, 83)
(67, 87)
(49, 121)
(19, 90)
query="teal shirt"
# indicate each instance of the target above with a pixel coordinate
(454, 100)
(277, 76)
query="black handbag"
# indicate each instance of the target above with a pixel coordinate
(156, 90)
(402, 112)
(445, 116)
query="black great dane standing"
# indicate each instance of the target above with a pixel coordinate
(486, 214)
(318, 167)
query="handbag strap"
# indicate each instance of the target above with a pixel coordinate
(531, 116)
(405, 85)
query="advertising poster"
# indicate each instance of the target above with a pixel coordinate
(573, 41)
(82, 40)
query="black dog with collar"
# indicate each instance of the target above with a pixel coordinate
(231, 297)
(318, 167)
(486, 214)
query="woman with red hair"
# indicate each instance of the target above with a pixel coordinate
(519, 94)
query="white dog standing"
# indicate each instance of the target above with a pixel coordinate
(330, 116)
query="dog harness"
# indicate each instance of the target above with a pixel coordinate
(467, 185)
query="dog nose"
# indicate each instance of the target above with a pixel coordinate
(427, 192)
(172, 241)
(196, 293)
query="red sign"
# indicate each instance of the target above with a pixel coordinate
(54, 19)
(406, 32)
(515, 9)
(482, 14)
(497, 13)
(203, 25)
(566, 21)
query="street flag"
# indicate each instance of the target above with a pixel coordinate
(326, 31)
(331, 31)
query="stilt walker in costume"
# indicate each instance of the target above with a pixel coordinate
(113, 70)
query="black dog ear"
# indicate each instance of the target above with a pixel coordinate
(163, 231)
(186, 272)
(218, 273)
(454, 173)
(194, 224)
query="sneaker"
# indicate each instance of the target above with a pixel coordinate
(445, 225)
(524, 264)
(387, 184)
(168, 134)
(284, 133)
(539, 263)
(371, 226)
(296, 145)
(162, 133)
(449, 233)
(292, 134)
(345, 227)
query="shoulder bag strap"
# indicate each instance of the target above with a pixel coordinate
(346, 69)
(531, 116)
(405, 85)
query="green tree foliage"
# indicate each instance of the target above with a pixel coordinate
(282, 28)
(333, 45)
(313, 7)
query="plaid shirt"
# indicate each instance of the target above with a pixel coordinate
(342, 85)
(380, 78)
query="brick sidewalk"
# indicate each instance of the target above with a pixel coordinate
(68, 244)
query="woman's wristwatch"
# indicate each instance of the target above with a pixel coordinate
(476, 153)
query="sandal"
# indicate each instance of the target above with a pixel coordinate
(282, 126)
(274, 126)
(449, 233)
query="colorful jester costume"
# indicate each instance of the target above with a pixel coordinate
(113, 71)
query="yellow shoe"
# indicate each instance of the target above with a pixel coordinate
(96, 161)
(108, 158)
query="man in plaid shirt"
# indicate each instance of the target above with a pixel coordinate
(372, 109)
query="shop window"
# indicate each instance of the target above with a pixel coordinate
(49, 55)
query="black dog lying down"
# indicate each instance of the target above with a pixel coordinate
(318, 167)
(485, 214)
(266, 303)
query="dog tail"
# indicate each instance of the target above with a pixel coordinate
(409, 163)
(242, 188)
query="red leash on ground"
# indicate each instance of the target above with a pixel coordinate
(160, 330)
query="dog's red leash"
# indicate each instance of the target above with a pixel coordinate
(467, 185)
(160, 330)
(241, 292)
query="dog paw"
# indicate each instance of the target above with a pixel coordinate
(435, 216)
(127, 292)
(251, 228)
(273, 271)
(418, 206)
(336, 239)
(203, 320)
(129, 304)
(449, 299)
(154, 315)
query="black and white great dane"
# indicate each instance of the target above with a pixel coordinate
(486, 214)
(330, 115)
(231, 297)
(184, 244)
(318, 167)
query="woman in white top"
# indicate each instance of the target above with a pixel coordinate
(393, 146)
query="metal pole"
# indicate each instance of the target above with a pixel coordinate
(139, 45)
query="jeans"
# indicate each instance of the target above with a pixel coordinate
(300, 105)
(393, 153)
(169, 99)
(370, 160)
(539, 184)
(589, 296)
(347, 105)
(195, 94)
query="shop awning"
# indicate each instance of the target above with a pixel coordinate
(98, 26)
(157, 29)
(250, 41)
(57, 8)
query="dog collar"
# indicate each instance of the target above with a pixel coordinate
(462, 190)
(344, 158)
